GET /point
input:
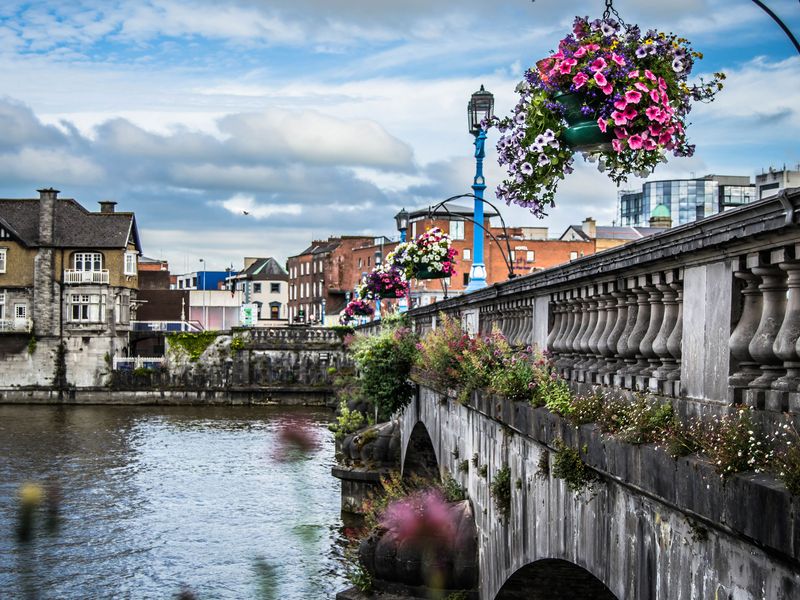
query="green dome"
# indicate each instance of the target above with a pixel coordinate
(661, 212)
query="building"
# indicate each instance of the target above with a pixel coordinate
(264, 287)
(687, 199)
(605, 237)
(772, 182)
(201, 280)
(68, 282)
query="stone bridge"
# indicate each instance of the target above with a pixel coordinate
(706, 315)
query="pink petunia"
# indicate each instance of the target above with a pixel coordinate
(633, 96)
(566, 65)
(620, 60)
(619, 118)
(641, 86)
(558, 54)
(649, 144)
(664, 139)
(635, 142)
(580, 79)
(655, 96)
(592, 47)
(607, 89)
(630, 113)
(662, 84)
(654, 129)
(598, 64)
(620, 132)
(601, 123)
(580, 52)
(620, 104)
(600, 79)
(649, 74)
(653, 113)
(633, 74)
(617, 145)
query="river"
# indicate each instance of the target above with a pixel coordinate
(155, 501)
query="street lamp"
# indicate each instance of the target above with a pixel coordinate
(203, 289)
(401, 219)
(479, 109)
(378, 258)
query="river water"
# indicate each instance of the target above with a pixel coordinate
(153, 501)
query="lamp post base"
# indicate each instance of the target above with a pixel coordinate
(477, 278)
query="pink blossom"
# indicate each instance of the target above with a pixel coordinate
(580, 79)
(558, 54)
(633, 96)
(600, 79)
(598, 64)
(635, 142)
(601, 123)
(617, 145)
(607, 89)
(618, 59)
(592, 47)
(580, 52)
(654, 129)
(662, 84)
(641, 86)
(664, 138)
(630, 113)
(653, 113)
(619, 118)
(655, 96)
(649, 74)
(649, 144)
(633, 74)
(566, 65)
(664, 99)
(620, 132)
(620, 104)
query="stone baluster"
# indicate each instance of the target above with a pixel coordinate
(616, 361)
(560, 343)
(587, 357)
(786, 341)
(675, 341)
(581, 322)
(626, 347)
(526, 335)
(573, 324)
(606, 346)
(773, 291)
(656, 320)
(739, 344)
(558, 323)
(519, 316)
(668, 325)
(640, 328)
(604, 301)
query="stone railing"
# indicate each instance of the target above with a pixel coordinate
(283, 337)
(707, 312)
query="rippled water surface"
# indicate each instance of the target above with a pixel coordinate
(155, 500)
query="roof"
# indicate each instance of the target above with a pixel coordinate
(606, 232)
(661, 212)
(453, 209)
(75, 227)
(263, 268)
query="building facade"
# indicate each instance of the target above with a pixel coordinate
(687, 199)
(263, 285)
(68, 288)
(772, 181)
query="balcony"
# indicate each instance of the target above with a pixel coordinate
(72, 276)
(15, 325)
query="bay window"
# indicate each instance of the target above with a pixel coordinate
(87, 308)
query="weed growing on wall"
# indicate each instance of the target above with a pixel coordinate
(501, 491)
(347, 421)
(191, 343)
(569, 466)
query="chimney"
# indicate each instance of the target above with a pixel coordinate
(47, 208)
(589, 227)
(107, 206)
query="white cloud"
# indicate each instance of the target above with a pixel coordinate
(246, 205)
(42, 166)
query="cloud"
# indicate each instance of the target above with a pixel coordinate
(244, 204)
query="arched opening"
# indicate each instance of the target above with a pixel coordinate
(553, 579)
(420, 458)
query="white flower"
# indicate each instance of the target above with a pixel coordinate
(527, 168)
(677, 65)
(543, 160)
(549, 135)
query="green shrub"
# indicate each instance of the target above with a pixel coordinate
(347, 422)
(32, 344)
(193, 344)
(238, 344)
(440, 353)
(640, 421)
(501, 491)
(452, 490)
(569, 466)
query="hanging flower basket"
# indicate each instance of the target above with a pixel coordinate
(617, 95)
(386, 281)
(356, 308)
(430, 256)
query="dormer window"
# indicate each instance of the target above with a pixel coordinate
(88, 261)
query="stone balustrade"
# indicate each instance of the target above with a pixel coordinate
(707, 312)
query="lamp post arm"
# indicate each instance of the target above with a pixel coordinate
(780, 23)
(506, 257)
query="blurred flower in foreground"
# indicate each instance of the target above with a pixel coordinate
(424, 517)
(30, 498)
(296, 439)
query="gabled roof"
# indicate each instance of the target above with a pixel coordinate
(75, 227)
(606, 232)
(263, 269)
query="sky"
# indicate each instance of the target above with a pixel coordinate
(325, 117)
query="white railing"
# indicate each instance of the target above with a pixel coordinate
(73, 276)
(166, 326)
(15, 325)
(137, 362)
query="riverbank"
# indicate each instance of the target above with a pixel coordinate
(278, 396)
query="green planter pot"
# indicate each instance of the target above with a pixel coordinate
(583, 133)
(571, 104)
(429, 274)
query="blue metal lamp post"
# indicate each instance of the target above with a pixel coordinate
(480, 107)
(401, 219)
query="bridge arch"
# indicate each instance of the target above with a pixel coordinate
(553, 579)
(419, 457)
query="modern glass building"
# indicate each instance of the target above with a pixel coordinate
(687, 199)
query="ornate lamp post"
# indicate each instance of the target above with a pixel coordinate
(401, 219)
(480, 107)
(378, 258)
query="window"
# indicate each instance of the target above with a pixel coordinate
(467, 254)
(513, 256)
(414, 229)
(2, 305)
(360, 262)
(180, 284)
(88, 261)
(88, 308)
(3, 252)
(274, 310)
(194, 282)
(122, 309)
(529, 256)
(20, 311)
(275, 288)
(457, 230)
(256, 288)
(130, 263)
(466, 279)
(573, 255)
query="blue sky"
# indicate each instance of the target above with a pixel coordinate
(325, 117)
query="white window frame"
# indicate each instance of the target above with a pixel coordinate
(130, 263)
(573, 255)
(530, 256)
(94, 260)
(3, 257)
(2, 305)
(21, 310)
(456, 229)
(466, 254)
(86, 308)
